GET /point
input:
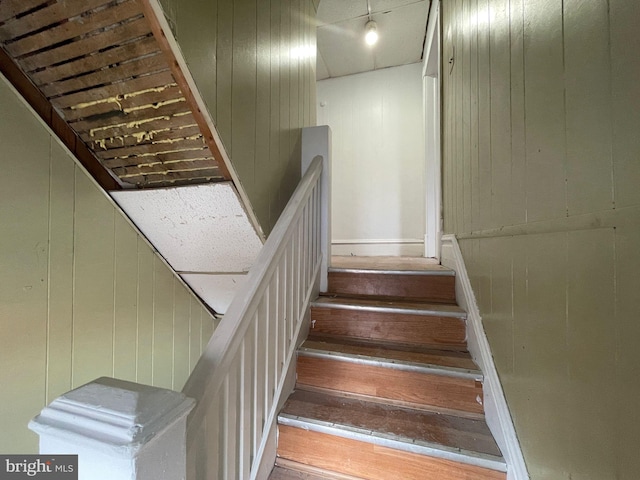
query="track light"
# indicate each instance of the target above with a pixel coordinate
(371, 35)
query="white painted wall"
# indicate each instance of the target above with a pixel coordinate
(378, 199)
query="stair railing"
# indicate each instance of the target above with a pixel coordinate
(242, 376)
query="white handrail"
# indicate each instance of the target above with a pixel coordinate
(240, 377)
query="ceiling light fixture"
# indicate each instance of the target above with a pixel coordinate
(371, 35)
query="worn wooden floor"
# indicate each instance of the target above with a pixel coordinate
(386, 263)
(391, 421)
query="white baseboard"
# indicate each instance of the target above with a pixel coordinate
(495, 405)
(378, 248)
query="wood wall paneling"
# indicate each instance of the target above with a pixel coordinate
(627, 390)
(484, 114)
(625, 102)
(274, 125)
(125, 316)
(500, 108)
(23, 266)
(197, 36)
(285, 98)
(591, 346)
(538, 121)
(545, 111)
(195, 332)
(61, 248)
(518, 198)
(243, 92)
(83, 295)
(181, 332)
(258, 87)
(224, 69)
(93, 314)
(263, 169)
(498, 321)
(162, 325)
(145, 315)
(588, 106)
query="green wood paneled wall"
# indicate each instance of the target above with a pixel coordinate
(541, 175)
(254, 64)
(82, 295)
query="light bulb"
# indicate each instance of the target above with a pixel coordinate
(371, 37)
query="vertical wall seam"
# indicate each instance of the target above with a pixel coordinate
(153, 318)
(564, 103)
(610, 103)
(567, 301)
(173, 335)
(115, 289)
(489, 13)
(47, 357)
(137, 366)
(524, 93)
(73, 269)
(512, 215)
(512, 281)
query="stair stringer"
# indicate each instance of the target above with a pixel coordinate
(497, 413)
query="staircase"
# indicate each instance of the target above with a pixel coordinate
(386, 388)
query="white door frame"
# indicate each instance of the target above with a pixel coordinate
(431, 75)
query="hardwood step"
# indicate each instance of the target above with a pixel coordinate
(370, 461)
(288, 470)
(404, 322)
(280, 473)
(427, 439)
(416, 377)
(435, 285)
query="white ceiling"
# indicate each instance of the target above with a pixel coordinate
(341, 48)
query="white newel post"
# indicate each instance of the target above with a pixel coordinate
(119, 430)
(316, 141)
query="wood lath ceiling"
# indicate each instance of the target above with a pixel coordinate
(102, 74)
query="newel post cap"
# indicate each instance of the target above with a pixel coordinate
(114, 414)
(119, 430)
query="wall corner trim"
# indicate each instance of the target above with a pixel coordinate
(495, 404)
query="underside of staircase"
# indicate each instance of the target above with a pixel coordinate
(109, 80)
(105, 77)
(385, 385)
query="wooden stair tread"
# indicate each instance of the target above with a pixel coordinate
(289, 470)
(447, 432)
(386, 387)
(438, 270)
(281, 473)
(391, 353)
(390, 305)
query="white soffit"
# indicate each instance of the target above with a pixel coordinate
(198, 228)
(217, 291)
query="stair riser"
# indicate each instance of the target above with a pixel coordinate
(367, 460)
(412, 388)
(408, 329)
(432, 288)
